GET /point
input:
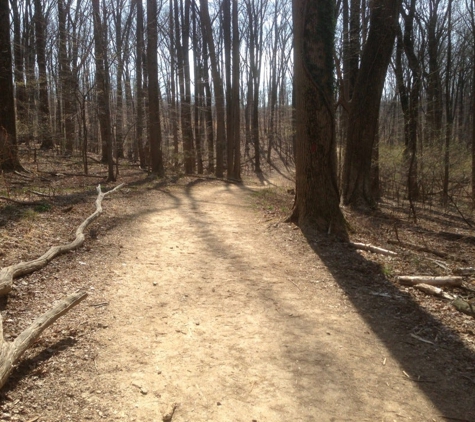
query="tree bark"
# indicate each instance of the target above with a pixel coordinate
(8, 144)
(44, 131)
(154, 130)
(317, 197)
(365, 103)
(139, 85)
(235, 103)
(103, 103)
(66, 81)
(218, 88)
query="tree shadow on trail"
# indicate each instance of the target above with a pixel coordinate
(444, 370)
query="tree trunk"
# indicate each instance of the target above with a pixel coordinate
(317, 197)
(218, 88)
(8, 146)
(236, 113)
(449, 112)
(365, 103)
(208, 111)
(173, 105)
(187, 128)
(44, 130)
(20, 87)
(154, 128)
(103, 90)
(139, 85)
(66, 81)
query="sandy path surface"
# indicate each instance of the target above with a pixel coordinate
(210, 313)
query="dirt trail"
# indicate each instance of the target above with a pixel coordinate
(209, 312)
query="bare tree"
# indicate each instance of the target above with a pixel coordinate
(44, 131)
(103, 104)
(218, 87)
(154, 127)
(317, 198)
(365, 103)
(8, 147)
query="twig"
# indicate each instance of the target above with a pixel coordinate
(295, 284)
(98, 305)
(421, 339)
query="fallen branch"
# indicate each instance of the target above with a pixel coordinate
(415, 247)
(8, 274)
(15, 201)
(11, 352)
(45, 195)
(431, 280)
(371, 248)
(434, 291)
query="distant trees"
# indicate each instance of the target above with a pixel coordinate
(207, 86)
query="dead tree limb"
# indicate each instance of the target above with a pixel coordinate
(8, 274)
(11, 352)
(371, 248)
(434, 291)
(18, 202)
(427, 279)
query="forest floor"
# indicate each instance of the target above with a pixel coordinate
(204, 305)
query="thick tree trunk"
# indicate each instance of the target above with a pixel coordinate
(8, 146)
(20, 87)
(365, 103)
(317, 197)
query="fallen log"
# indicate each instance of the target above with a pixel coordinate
(431, 280)
(8, 274)
(371, 248)
(11, 352)
(434, 291)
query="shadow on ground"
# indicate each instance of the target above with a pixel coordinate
(444, 370)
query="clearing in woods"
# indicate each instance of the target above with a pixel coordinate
(206, 312)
